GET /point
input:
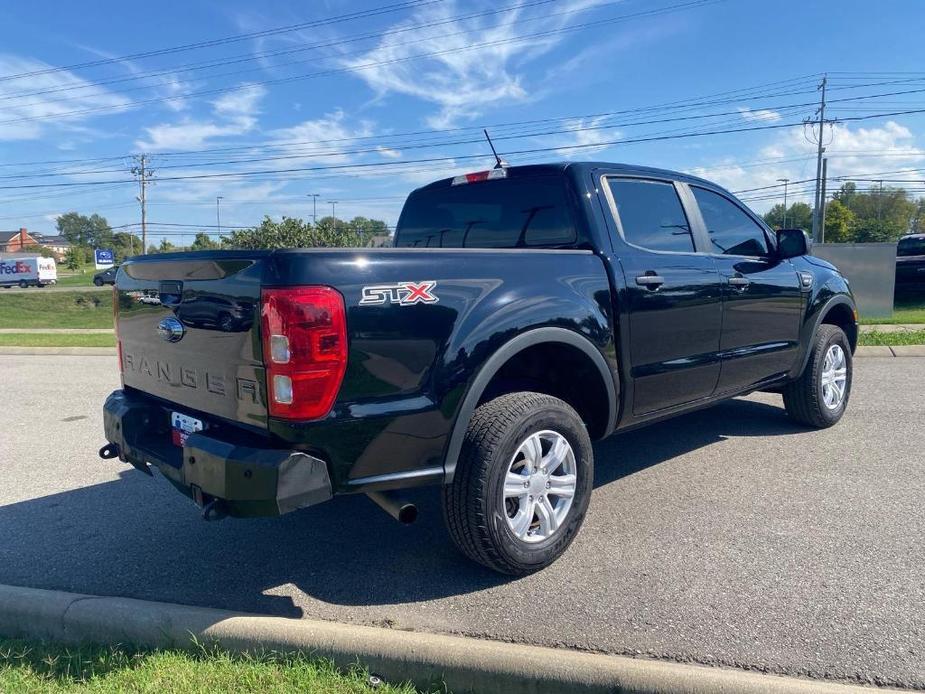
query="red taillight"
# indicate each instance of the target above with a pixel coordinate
(479, 176)
(115, 325)
(304, 349)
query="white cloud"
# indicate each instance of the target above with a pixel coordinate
(49, 109)
(325, 139)
(852, 152)
(589, 137)
(235, 114)
(460, 82)
(388, 152)
(764, 114)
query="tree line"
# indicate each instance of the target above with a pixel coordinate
(856, 216)
(86, 233)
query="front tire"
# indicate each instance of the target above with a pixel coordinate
(522, 484)
(818, 398)
(97, 281)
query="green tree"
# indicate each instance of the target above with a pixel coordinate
(799, 216)
(40, 250)
(918, 222)
(126, 245)
(72, 259)
(840, 223)
(296, 233)
(882, 215)
(166, 247)
(204, 242)
(85, 232)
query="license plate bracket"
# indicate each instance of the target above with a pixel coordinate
(181, 426)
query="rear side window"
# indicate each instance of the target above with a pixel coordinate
(731, 231)
(531, 212)
(651, 215)
(911, 247)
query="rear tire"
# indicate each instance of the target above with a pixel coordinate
(818, 398)
(23, 284)
(501, 509)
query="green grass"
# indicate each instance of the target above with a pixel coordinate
(81, 280)
(903, 312)
(27, 667)
(56, 340)
(875, 338)
(42, 309)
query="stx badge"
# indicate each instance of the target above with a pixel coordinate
(401, 293)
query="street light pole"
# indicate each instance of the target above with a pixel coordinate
(785, 181)
(218, 213)
(314, 197)
(334, 211)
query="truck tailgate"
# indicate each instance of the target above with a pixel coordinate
(189, 332)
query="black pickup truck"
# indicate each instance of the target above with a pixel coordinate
(522, 313)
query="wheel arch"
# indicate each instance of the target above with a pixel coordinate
(838, 310)
(515, 352)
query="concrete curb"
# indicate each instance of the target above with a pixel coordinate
(70, 351)
(464, 664)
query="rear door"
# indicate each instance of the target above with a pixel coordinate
(762, 296)
(673, 295)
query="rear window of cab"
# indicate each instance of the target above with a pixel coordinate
(522, 212)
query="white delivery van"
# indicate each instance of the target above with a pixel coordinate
(29, 271)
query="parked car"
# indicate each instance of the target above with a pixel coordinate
(107, 276)
(910, 264)
(22, 272)
(524, 313)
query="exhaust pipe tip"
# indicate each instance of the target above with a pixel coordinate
(109, 451)
(407, 514)
(403, 511)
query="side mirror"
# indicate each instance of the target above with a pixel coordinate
(792, 243)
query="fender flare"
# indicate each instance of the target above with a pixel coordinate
(499, 358)
(817, 321)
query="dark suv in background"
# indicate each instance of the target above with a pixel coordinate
(107, 276)
(910, 265)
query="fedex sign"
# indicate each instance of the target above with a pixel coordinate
(15, 268)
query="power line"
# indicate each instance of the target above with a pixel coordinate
(363, 14)
(250, 57)
(374, 64)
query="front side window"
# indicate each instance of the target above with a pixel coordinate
(651, 215)
(908, 247)
(731, 231)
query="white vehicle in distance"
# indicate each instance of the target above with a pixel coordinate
(29, 271)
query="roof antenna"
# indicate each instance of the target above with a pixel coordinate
(500, 163)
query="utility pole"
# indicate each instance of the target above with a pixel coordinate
(879, 203)
(785, 181)
(825, 168)
(218, 213)
(334, 211)
(314, 197)
(143, 172)
(820, 149)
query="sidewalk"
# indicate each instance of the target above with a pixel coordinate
(892, 327)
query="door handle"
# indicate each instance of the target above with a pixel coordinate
(738, 281)
(652, 281)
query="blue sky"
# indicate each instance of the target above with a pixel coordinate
(360, 102)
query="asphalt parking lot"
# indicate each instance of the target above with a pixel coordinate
(728, 537)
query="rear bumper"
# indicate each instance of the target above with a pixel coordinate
(247, 481)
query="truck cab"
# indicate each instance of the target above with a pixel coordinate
(522, 313)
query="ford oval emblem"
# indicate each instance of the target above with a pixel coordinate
(171, 329)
